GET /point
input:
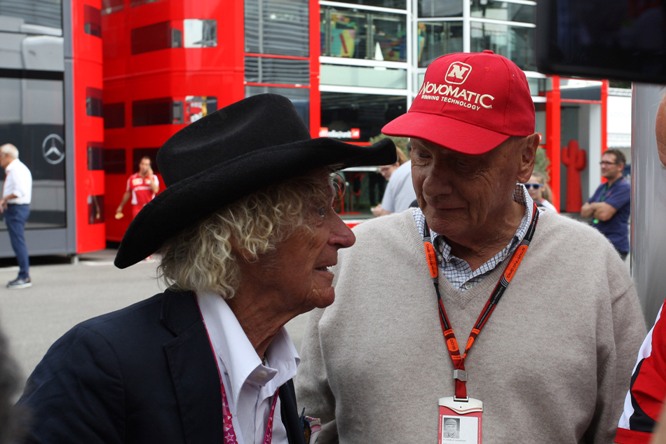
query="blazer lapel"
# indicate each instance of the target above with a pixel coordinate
(196, 379)
(289, 412)
(193, 369)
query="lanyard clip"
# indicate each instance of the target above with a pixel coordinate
(460, 375)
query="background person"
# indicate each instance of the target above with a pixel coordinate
(387, 171)
(645, 399)
(399, 193)
(15, 204)
(644, 417)
(549, 365)
(610, 205)
(540, 191)
(377, 180)
(142, 187)
(247, 234)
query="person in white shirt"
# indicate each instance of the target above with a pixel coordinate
(399, 194)
(246, 233)
(387, 172)
(15, 204)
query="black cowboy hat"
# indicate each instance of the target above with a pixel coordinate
(231, 153)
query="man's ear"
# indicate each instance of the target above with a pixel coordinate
(528, 146)
(660, 131)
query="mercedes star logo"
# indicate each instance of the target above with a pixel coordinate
(53, 149)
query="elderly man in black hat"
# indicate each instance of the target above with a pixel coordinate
(246, 232)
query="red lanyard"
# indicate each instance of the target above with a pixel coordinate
(229, 434)
(228, 425)
(458, 360)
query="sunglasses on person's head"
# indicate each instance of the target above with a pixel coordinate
(530, 186)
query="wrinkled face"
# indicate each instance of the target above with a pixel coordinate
(461, 195)
(610, 169)
(299, 267)
(144, 166)
(5, 159)
(535, 193)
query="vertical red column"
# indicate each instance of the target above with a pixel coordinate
(217, 70)
(604, 115)
(88, 134)
(315, 50)
(553, 137)
(116, 45)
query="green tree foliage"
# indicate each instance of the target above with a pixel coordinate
(400, 142)
(542, 163)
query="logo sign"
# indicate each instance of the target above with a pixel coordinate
(457, 73)
(53, 149)
(352, 133)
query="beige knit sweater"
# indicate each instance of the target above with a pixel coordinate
(551, 366)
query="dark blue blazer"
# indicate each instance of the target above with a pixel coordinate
(143, 374)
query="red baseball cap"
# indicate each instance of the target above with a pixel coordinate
(470, 103)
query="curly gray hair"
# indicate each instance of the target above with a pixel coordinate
(204, 257)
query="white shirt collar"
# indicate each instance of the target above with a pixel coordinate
(240, 363)
(11, 165)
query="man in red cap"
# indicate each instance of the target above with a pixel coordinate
(475, 305)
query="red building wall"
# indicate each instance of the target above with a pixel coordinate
(88, 129)
(133, 74)
(134, 70)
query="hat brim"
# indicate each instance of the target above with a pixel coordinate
(190, 200)
(449, 133)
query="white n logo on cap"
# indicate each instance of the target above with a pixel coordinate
(457, 73)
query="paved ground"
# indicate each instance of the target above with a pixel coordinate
(65, 293)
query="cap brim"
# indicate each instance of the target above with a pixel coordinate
(192, 199)
(444, 131)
